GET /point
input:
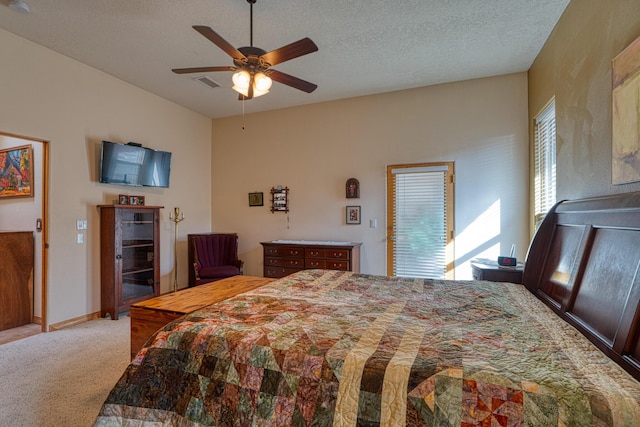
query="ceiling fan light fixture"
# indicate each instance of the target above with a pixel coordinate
(241, 80)
(262, 82)
(258, 92)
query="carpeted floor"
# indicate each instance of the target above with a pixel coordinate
(61, 378)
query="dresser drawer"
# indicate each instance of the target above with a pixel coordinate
(338, 265)
(277, 272)
(315, 263)
(337, 254)
(293, 252)
(284, 262)
(273, 251)
(315, 253)
(327, 264)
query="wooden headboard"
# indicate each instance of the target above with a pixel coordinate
(584, 263)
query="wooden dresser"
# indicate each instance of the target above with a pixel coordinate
(283, 257)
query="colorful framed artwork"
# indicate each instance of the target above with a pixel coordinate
(353, 188)
(16, 172)
(353, 214)
(625, 115)
(123, 199)
(256, 199)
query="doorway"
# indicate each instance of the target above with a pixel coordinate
(30, 214)
(420, 220)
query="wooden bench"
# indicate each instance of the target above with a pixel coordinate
(147, 317)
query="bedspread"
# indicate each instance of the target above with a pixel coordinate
(330, 348)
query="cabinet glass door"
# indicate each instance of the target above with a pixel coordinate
(137, 254)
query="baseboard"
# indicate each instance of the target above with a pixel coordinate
(37, 319)
(74, 321)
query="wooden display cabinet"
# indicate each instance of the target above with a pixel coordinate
(129, 256)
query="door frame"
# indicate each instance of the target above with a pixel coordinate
(44, 211)
(450, 214)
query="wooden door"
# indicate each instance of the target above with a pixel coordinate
(16, 281)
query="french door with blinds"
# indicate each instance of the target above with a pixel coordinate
(420, 220)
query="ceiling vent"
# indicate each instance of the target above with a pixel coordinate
(208, 81)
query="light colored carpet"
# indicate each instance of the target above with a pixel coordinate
(61, 378)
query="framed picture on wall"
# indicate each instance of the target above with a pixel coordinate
(353, 189)
(16, 172)
(353, 214)
(625, 119)
(123, 199)
(136, 200)
(256, 199)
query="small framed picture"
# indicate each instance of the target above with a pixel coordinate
(256, 199)
(136, 200)
(123, 199)
(353, 214)
(353, 188)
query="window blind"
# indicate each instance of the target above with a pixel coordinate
(420, 222)
(545, 162)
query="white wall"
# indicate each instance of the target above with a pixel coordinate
(48, 96)
(481, 125)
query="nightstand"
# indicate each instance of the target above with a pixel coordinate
(484, 269)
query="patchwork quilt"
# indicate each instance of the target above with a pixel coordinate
(330, 348)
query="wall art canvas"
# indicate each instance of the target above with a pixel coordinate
(16, 172)
(625, 120)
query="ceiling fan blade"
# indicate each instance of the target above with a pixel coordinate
(292, 81)
(202, 69)
(216, 39)
(290, 51)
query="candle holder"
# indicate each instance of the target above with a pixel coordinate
(176, 217)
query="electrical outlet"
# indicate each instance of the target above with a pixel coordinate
(80, 238)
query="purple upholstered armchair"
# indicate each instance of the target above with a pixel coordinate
(214, 257)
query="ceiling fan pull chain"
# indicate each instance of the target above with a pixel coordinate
(242, 113)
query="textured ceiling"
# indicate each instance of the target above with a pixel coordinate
(365, 47)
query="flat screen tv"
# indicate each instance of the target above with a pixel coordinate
(127, 164)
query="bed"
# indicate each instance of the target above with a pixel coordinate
(331, 348)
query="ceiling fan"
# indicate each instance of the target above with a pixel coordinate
(254, 74)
